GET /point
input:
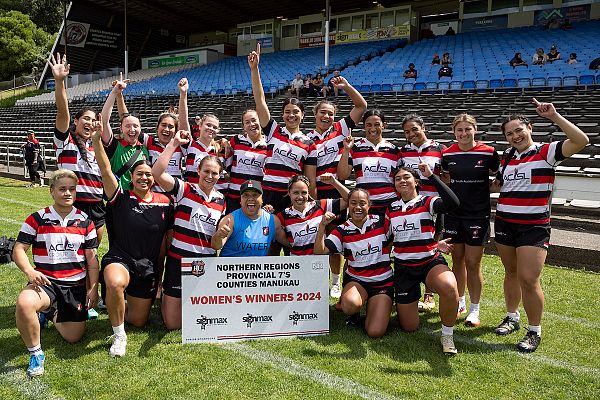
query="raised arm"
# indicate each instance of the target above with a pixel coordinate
(166, 181)
(184, 122)
(121, 106)
(264, 116)
(60, 72)
(108, 178)
(107, 133)
(576, 139)
(224, 230)
(310, 171)
(360, 104)
(344, 169)
(339, 186)
(320, 247)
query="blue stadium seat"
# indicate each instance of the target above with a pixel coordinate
(510, 83)
(524, 82)
(456, 85)
(375, 88)
(408, 87)
(495, 83)
(420, 86)
(469, 84)
(554, 81)
(386, 88)
(570, 81)
(444, 86)
(482, 84)
(538, 82)
(432, 86)
(587, 80)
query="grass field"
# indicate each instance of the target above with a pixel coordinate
(344, 364)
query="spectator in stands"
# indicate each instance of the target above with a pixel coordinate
(517, 61)
(318, 84)
(595, 64)
(445, 70)
(522, 224)
(330, 86)
(308, 86)
(554, 54)
(195, 129)
(31, 153)
(411, 72)
(572, 58)
(296, 86)
(539, 58)
(450, 32)
(446, 58)
(436, 59)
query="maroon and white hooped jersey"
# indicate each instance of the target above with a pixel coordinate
(58, 244)
(528, 183)
(329, 146)
(196, 151)
(429, 152)
(89, 177)
(366, 249)
(301, 227)
(155, 149)
(196, 217)
(287, 154)
(411, 226)
(246, 162)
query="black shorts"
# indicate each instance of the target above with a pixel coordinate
(143, 288)
(517, 235)
(69, 299)
(373, 288)
(279, 200)
(473, 232)
(96, 211)
(408, 278)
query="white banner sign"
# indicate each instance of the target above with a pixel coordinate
(228, 298)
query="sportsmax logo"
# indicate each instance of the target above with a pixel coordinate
(296, 316)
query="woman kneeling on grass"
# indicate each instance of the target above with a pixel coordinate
(410, 221)
(369, 278)
(66, 269)
(522, 224)
(138, 220)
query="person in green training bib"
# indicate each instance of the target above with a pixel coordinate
(123, 152)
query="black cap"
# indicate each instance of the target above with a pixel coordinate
(251, 185)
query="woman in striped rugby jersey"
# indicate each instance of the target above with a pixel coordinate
(522, 226)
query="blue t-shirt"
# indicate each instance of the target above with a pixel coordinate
(250, 238)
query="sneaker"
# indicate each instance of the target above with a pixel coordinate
(335, 291)
(472, 319)
(36, 365)
(428, 303)
(448, 345)
(92, 314)
(353, 320)
(119, 345)
(507, 326)
(46, 316)
(529, 343)
(462, 309)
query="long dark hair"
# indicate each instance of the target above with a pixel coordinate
(79, 142)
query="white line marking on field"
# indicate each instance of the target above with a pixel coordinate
(321, 377)
(502, 348)
(10, 221)
(30, 388)
(21, 203)
(574, 320)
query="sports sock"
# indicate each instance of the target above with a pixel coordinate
(119, 330)
(514, 316)
(35, 350)
(335, 279)
(474, 308)
(447, 330)
(462, 302)
(536, 328)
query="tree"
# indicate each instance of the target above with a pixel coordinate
(46, 14)
(22, 44)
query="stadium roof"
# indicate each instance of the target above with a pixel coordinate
(208, 15)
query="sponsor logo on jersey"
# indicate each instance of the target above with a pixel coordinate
(62, 247)
(367, 251)
(406, 226)
(205, 218)
(265, 230)
(515, 176)
(376, 168)
(252, 162)
(327, 150)
(287, 154)
(310, 230)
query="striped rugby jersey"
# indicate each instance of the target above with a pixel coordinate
(196, 151)
(329, 146)
(89, 178)
(196, 219)
(301, 227)
(58, 244)
(246, 162)
(287, 154)
(155, 149)
(431, 153)
(366, 249)
(411, 226)
(528, 183)
(374, 166)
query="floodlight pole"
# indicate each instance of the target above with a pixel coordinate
(126, 45)
(327, 17)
